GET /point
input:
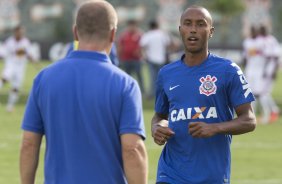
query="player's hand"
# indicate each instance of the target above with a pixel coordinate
(161, 133)
(201, 129)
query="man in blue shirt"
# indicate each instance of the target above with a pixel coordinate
(195, 102)
(89, 111)
(113, 54)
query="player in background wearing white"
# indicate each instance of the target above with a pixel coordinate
(155, 43)
(17, 51)
(254, 62)
(271, 49)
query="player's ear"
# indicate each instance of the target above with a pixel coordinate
(112, 35)
(211, 32)
(75, 33)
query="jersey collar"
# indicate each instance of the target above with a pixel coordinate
(90, 55)
(183, 56)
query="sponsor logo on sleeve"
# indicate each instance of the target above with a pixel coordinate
(245, 85)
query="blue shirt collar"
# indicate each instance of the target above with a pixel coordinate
(90, 55)
(183, 56)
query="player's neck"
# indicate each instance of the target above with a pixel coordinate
(93, 47)
(194, 59)
(18, 38)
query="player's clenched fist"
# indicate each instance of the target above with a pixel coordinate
(161, 133)
(201, 129)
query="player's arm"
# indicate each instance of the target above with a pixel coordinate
(245, 122)
(135, 160)
(29, 156)
(273, 73)
(276, 67)
(160, 130)
(31, 59)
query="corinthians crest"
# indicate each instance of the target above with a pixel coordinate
(208, 86)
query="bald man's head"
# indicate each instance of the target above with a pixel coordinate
(95, 20)
(204, 11)
(196, 29)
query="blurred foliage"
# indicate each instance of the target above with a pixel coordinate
(227, 8)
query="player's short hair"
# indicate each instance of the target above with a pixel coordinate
(153, 24)
(95, 19)
(132, 22)
(263, 30)
(205, 11)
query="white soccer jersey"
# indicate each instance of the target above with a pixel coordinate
(272, 51)
(271, 46)
(15, 55)
(155, 43)
(253, 51)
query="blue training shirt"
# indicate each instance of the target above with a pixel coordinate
(83, 104)
(208, 92)
(113, 53)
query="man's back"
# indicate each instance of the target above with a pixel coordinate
(89, 111)
(83, 103)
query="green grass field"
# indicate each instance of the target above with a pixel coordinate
(256, 157)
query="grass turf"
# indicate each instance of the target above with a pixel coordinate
(256, 157)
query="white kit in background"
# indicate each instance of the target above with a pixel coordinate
(155, 43)
(255, 64)
(16, 54)
(271, 52)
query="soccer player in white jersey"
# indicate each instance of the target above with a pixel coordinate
(271, 51)
(196, 100)
(16, 54)
(254, 62)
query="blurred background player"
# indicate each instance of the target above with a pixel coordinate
(155, 43)
(271, 52)
(17, 51)
(261, 57)
(254, 62)
(129, 51)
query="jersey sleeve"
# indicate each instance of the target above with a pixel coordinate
(161, 103)
(32, 120)
(238, 89)
(131, 119)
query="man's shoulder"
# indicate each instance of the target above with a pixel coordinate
(10, 40)
(224, 64)
(108, 69)
(170, 67)
(149, 34)
(221, 61)
(119, 72)
(218, 58)
(123, 76)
